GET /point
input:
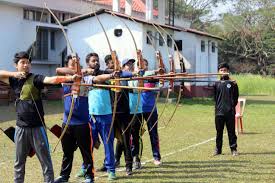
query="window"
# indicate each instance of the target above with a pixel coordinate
(179, 45)
(148, 39)
(202, 46)
(169, 41)
(29, 15)
(52, 20)
(35, 15)
(52, 40)
(161, 41)
(40, 47)
(213, 47)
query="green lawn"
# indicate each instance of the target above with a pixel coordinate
(255, 84)
(186, 147)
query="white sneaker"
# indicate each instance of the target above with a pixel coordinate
(235, 153)
(157, 162)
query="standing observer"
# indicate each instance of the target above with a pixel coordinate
(226, 95)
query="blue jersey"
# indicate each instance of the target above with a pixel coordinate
(100, 102)
(133, 99)
(99, 99)
(80, 113)
(148, 98)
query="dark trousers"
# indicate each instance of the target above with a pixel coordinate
(122, 121)
(154, 137)
(229, 121)
(136, 136)
(77, 136)
(119, 150)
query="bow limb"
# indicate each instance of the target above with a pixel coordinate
(141, 66)
(181, 87)
(161, 68)
(75, 88)
(116, 68)
(171, 83)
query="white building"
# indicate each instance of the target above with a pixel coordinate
(22, 24)
(198, 48)
(20, 20)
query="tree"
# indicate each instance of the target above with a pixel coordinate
(249, 34)
(195, 11)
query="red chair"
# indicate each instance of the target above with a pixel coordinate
(239, 115)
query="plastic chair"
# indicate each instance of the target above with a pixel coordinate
(239, 115)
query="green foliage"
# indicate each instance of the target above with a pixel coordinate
(249, 37)
(255, 84)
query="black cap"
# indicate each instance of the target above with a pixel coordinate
(107, 58)
(223, 65)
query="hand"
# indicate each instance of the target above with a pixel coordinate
(116, 74)
(75, 77)
(20, 75)
(140, 72)
(159, 71)
(87, 71)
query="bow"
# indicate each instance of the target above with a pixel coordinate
(76, 85)
(172, 68)
(140, 66)
(171, 81)
(161, 69)
(116, 68)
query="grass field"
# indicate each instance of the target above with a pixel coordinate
(255, 84)
(186, 147)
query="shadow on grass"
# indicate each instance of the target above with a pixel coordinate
(193, 171)
(258, 153)
(249, 133)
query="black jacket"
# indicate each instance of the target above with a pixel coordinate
(226, 94)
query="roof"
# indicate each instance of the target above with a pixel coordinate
(102, 11)
(137, 5)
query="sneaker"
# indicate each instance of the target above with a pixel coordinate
(111, 176)
(137, 165)
(102, 169)
(217, 152)
(61, 179)
(80, 173)
(129, 171)
(157, 162)
(88, 179)
(234, 153)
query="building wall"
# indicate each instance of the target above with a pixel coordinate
(188, 50)
(10, 34)
(73, 6)
(19, 34)
(196, 60)
(149, 50)
(92, 38)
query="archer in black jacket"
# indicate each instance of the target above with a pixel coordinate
(226, 95)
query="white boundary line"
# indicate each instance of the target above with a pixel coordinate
(166, 155)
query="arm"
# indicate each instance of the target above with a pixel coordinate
(59, 79)
(126, 74)
(235, 94)
(215, 91)
(150, 73)
(4, 75)
(102, 78)
(64, 71)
